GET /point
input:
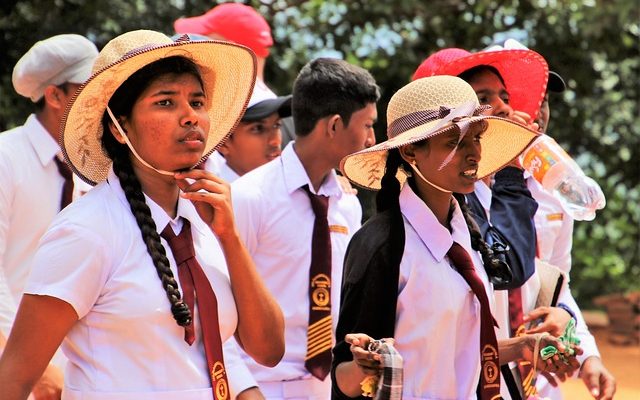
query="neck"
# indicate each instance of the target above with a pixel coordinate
(161, 189)
(315, 162)
(50, 121)
(438, 201)
(260, 67)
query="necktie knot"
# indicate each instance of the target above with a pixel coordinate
(63, 168)
(460, 257)
(319, 203)
(181, 244)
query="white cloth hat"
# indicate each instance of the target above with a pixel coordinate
(54, 61)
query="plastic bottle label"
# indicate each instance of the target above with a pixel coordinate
(543, 154)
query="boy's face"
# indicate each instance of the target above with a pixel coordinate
(253, 144)
(358, 134)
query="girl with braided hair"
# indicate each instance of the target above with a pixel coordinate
(419, 271)
(146, 277)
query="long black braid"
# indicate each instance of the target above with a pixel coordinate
(121, 104)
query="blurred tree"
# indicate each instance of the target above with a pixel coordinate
(593, 44)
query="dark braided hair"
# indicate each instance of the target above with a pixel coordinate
(121, 104)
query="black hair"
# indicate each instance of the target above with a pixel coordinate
(469, 74)
(388, 198)
(121, 104)
(327, 86)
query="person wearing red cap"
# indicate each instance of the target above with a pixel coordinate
(244, 25)
(234, 22)
(514, 78)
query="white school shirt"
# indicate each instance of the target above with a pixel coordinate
(240, 378)
(554, 228)
(217, 164)
(30, 192)
(275, 219)
(126, 344)
(550, 229)
(438, 315)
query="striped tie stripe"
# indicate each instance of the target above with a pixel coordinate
(319, 337)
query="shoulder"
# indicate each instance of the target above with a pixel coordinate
(380, 240)
(259, 184)
(13, 143)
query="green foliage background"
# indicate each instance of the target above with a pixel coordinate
(593, 44)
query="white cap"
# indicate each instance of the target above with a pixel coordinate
(54, 61)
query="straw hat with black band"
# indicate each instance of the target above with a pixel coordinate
(228, 72)
(430, 106)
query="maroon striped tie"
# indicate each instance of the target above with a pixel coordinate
(193, 278)
(318, 358)
(490, 374)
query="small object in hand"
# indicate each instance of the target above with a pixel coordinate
(369, 385)
(568, 339)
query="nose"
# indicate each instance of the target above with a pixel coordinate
(474, 153)
(501, 109)
(189, 116)
(275, 138)
(371, 139)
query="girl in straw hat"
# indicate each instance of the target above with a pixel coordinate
(151, 111)
(414, 271)
(510, 80)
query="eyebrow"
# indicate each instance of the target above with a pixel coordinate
(199, 93)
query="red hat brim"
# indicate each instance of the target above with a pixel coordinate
(525, 73)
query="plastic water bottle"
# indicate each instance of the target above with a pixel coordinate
(560, 175)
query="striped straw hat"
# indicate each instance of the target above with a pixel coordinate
(228, 71)
(427, 107)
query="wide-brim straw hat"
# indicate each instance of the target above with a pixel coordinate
(525, 73)
(228, 72)
(427, 107)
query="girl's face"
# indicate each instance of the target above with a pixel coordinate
(490, 90)
(169, 125)
(460, 174)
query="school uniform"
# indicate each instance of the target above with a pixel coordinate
(436, 320)
(29, 200)
(240, 378)
(554, 245)
(126, 344)
(555, 238)
(217, 164)
(275, 219)
(30, 196)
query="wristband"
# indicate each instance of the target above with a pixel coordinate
(567, 309)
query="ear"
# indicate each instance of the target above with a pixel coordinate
(224, 147)
(114, 131)
(53, 98)
(408, 153)
(332, 124)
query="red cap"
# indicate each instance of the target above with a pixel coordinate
(235, 22)
(524, 72)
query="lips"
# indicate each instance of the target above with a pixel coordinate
(193, 136)
(471, 172)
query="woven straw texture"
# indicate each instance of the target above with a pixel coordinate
(502, 141)
(228, 71)
(525, 72)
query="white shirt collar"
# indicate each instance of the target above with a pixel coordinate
(483, 192)
(435, 237)
(44, 145)
(295, 176)
(185, 210)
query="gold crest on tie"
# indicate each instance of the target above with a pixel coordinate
(321, 294)
(490, 367)
(217, 375)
